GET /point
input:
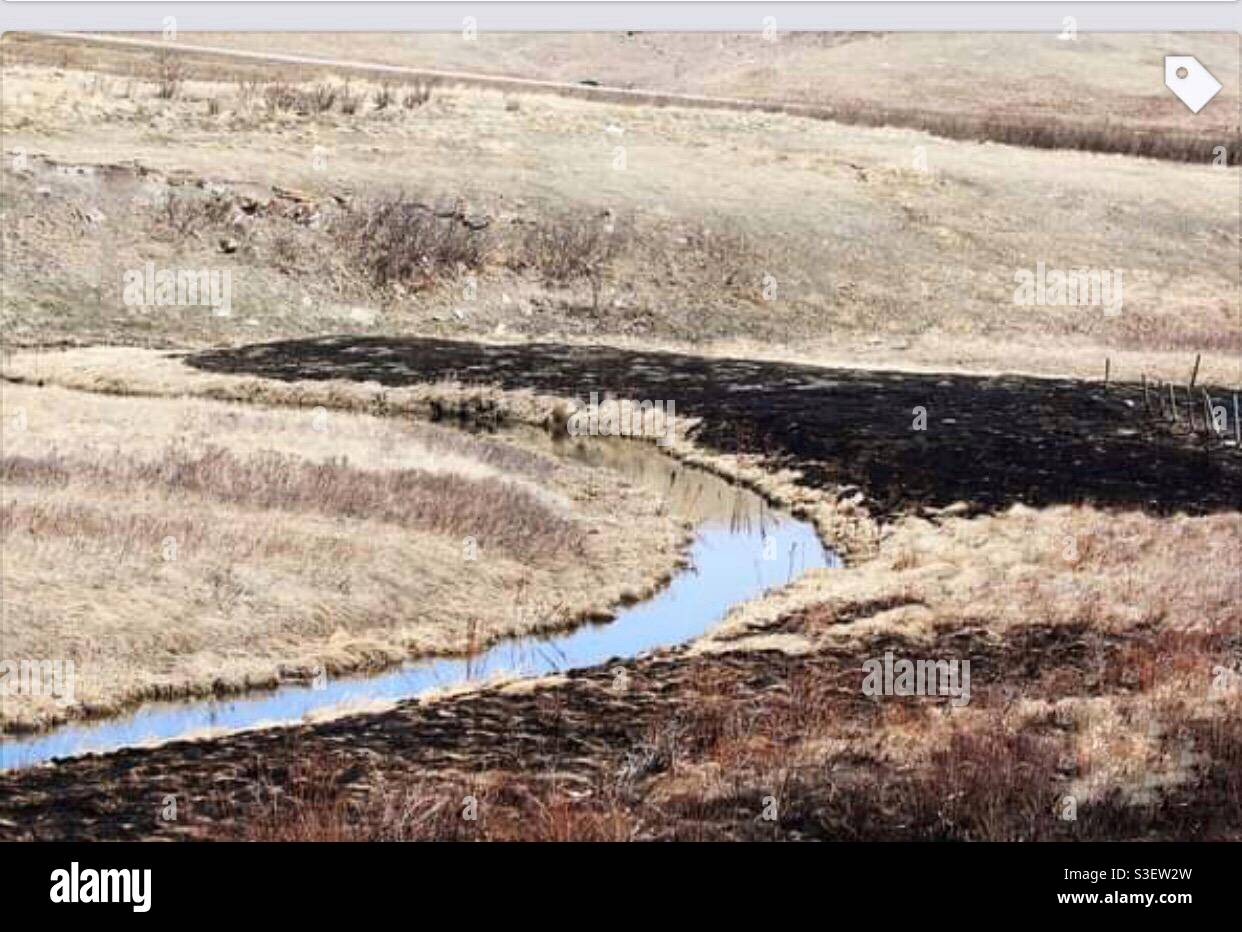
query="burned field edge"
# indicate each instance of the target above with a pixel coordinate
(401, 774)
(571, 759)
(989, 442)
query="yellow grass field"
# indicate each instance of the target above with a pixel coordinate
(176, 547)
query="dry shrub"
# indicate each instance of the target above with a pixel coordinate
(990, 783)
(568, 249)
(285, 252)
(322, 97)
(246, 90)
(186, 214)
(280, 97)
(417, 95)
(400, 241)
(727, 257)
(350, 101)
(563, 819)
(169, 72)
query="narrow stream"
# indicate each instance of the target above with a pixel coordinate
(742, 547)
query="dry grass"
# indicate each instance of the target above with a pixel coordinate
(216, 547)
(318, 799)
(1097, 639)
(858, 78)
(1099, 642)
(911, 267)
(1114, 572)
(497, 514)
(1102, 687)
(148, 373)
(1101, 646)
(1042, 131)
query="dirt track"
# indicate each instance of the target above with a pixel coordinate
(989, 442)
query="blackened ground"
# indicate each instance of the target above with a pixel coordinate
(611, 748)
(989, 441)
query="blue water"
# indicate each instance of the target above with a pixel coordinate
(741, 549)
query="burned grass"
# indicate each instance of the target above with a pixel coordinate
(988, 442)
(699, 748)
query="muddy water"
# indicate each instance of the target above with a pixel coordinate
(741, 548)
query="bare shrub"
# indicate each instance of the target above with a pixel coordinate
(246, 90)
(382, 97)
(726, 257)
(186, 214)
(285, 252)
(572, 249)
(170, 72)
(417, 95)
(349, 100)
(280, 97)
(401, 241)
(322, 97)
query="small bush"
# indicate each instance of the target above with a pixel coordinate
(246, 90)
(185, 214)
(169, 74)
(322, 97)
(572, 249)
(279, 97)
(401, 241)
(349, 100)
(417, 95)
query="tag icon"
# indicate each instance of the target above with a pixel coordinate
(1190, 81)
